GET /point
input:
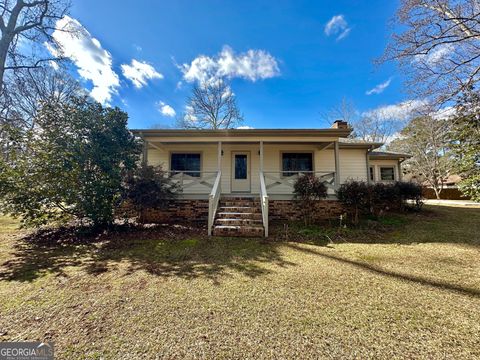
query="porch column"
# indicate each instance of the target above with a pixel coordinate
(337, 164)
(219, 156)
(399, 165)
(145, 151)
(368, 167)
(261, 156)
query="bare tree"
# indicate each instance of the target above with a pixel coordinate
(372, 127)
(345, 110)
(427, 140)
(29, 88)
(212, 105)
(31, 21)
(437, 46)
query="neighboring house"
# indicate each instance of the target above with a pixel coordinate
(450, 189)
(237, 180)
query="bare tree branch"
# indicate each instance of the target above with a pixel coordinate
(437, 47)
(212, 105)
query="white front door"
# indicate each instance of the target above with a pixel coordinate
(241, 171)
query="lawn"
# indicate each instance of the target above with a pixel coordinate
(405, 287)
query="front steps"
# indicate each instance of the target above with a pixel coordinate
(238, 216)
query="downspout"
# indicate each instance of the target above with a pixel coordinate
(367, 158)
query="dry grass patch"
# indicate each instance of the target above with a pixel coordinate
(413, 292)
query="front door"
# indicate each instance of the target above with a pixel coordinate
(241, 171)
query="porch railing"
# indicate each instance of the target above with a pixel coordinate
(278, 182)
(213, 199)
(193, 181)
(264, 203)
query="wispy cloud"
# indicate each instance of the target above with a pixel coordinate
(139, 72)
(165, 109)
(252, 65)
(379, 88)
(337, 26)
(398, 112)
(94, 63)
(436, 56)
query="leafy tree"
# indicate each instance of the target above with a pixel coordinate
(427, 140)
(147, 187)
(308, 189)
(212, 105)
(466, 143)
(72, 168)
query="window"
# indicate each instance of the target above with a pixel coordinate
(372, 173)
(293, 163)
(187, 163)
(387, 174)
(241, 166)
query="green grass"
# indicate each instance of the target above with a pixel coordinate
(407, 286)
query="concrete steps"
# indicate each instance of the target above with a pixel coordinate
(238, 216)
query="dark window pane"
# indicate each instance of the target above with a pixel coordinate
(187, 163)
(372, 173)
(293, 163)
(240, 166)
(387, 173)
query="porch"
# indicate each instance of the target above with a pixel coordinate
(260, 171)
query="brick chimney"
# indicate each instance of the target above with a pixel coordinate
(340, 124)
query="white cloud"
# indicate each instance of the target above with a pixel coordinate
(251, 65)
(139, 72)
(165, 109)
(401, 111)
(379, 88)
(445, 113)
(245, 127)
(94, 63)
(337, 26)
(435, 56)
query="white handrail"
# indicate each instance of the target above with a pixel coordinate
(264, 203)
(213, 199)
(288, 178)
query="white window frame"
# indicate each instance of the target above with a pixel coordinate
(387, 167)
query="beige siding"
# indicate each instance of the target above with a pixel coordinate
(353, 165)
(352, 162)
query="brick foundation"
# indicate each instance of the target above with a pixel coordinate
(183, 210)
(289, 210)
(179, 211)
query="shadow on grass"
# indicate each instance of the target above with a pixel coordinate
(166, 252)
(392, 274)
(433, 225)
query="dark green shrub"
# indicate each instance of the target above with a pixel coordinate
(147, 187)
(308, 189)
(355, 195)
(382, 198)
(409, 193)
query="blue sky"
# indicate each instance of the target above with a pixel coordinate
(298, 67)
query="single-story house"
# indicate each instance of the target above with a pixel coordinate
(236, 180)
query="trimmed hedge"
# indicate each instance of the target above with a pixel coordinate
(376, 199)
